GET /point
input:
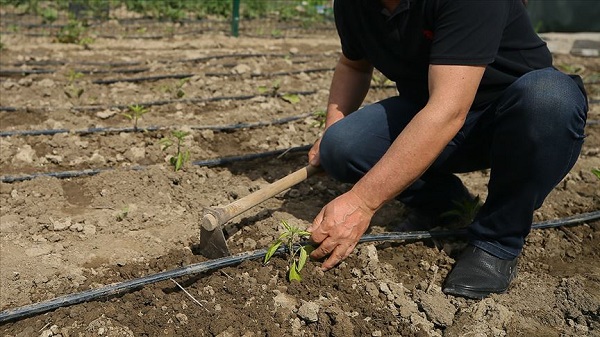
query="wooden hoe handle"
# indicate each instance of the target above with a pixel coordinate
(216, 217)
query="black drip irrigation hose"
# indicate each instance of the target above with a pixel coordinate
(281, 73)
(92, 108)
(143, 79)
(24, 72)
(202, 267)
(181, 76)
(206, 162)
(135, 63)
(224, 127)
(112, 71)
(187, 101)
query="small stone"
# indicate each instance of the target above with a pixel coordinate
(46, 82)
(77, 227)
(309, 311)
(25, 82)
(241, 69)
(294, 50)
(284, 301)
(54, 159)
(25, 154)
(135, 153)
(9, 84)
(97, 158)
(249, 243)
(89, 229)
(207, 134)
(61, 225)
(47, 333)
(105, 114)
(376, 333)
(182, 318)
(43, 249)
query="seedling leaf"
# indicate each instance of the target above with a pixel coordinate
(596, 172)
(302, 259)
(291, 98)
(272, 250)
(293, 275)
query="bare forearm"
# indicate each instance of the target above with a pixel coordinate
(452, 89)
(415, 149)
(349, 87)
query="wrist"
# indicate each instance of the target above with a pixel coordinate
(368, 199)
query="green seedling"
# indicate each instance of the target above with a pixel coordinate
(596, 172)
(291, 98)
(465, 210)
(71, 90)
(297, 254)
(123, 213)
(571, 68)
(136, 112)
(71, 33)
(380, 81)
(49, 15)
(320, 116)
(179, 93)
(181, 156)
(271, 91)
(176, 90)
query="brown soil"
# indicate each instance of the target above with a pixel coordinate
(61, 236)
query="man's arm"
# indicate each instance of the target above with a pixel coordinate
(349, 86)
(452, 90)
(342, 222)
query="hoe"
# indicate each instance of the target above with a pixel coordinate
(212, 240)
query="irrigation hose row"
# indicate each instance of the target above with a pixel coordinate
(188, 101)
(92, 108)
(222, 127)
(134, 63)
(197, 268)
(207, 162)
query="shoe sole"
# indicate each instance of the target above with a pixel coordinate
(472, 294)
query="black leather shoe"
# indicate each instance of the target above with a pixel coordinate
(478, 274)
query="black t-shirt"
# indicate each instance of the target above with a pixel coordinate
(402, 44)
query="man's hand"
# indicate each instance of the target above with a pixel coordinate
(338, 227)
(313, 154)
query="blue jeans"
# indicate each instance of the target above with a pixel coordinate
(529, 138)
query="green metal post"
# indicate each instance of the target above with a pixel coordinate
(235, 20)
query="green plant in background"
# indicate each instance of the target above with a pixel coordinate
(123, 213)
(48, 14)
(136, 112)
(571, 68)
(380, 81)
(465, 210)
(72, 90)
(291, 98)
(297, 254)
(272, 90)
(320, 116)
(177, 89)
(72, 32)
(181, 156)
(596, 172)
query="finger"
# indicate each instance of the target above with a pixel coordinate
(324, 249)
(315, 160)
(317, 221)
(336, 256)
